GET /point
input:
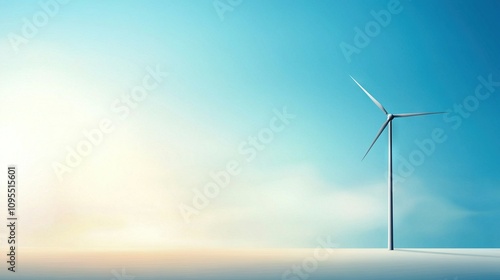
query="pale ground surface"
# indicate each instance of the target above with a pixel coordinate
(253, 264)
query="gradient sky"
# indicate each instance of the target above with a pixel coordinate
(226, 78)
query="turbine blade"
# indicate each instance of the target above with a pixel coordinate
(371, 97)
(378, 135)
(415, 114)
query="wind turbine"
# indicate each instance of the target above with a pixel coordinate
(388, 122)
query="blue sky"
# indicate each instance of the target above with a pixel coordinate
(227, 76)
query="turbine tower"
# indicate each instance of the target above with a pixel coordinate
(388, 122)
